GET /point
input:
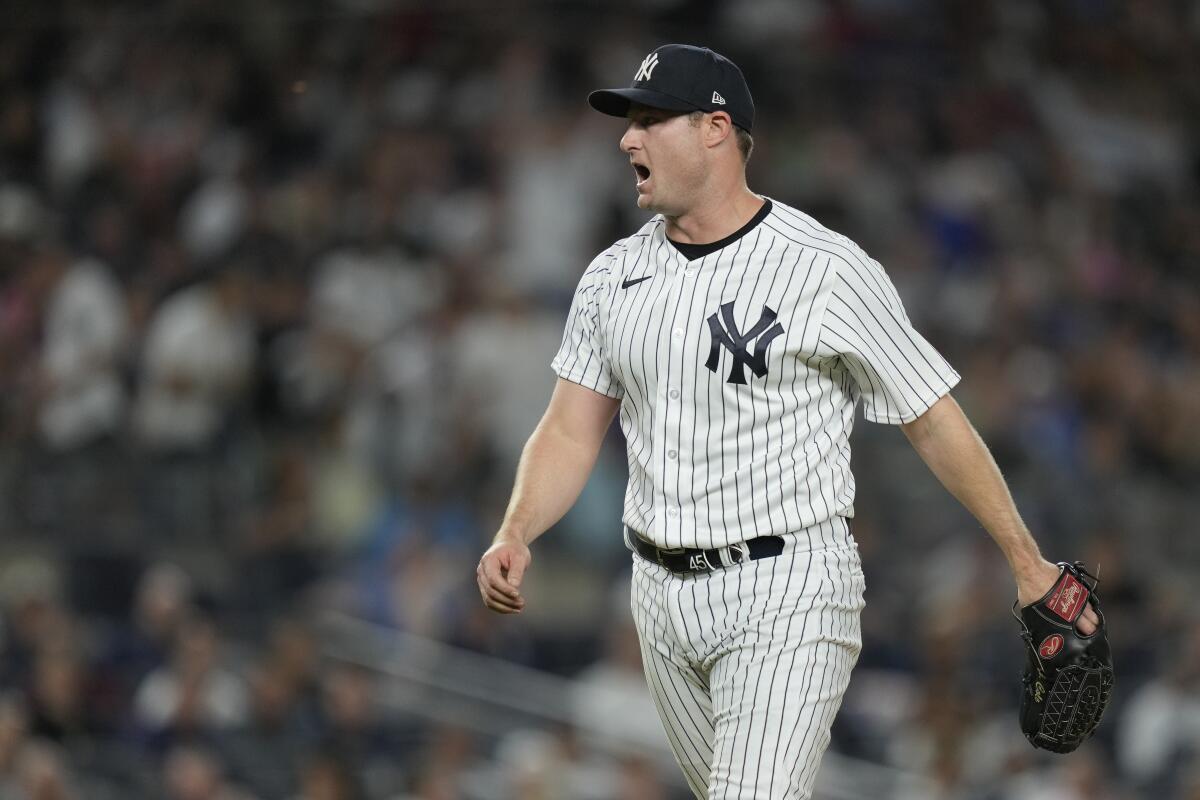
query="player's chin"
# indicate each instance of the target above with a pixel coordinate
(646, 200)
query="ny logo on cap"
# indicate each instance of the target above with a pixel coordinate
(647, 68)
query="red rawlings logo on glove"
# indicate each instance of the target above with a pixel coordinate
(1068, 598)
(1050, 646)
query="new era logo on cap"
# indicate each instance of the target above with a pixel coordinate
(681, 77)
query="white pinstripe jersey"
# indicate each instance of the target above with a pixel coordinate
(738, 423)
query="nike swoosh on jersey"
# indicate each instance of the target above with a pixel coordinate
(625, 284)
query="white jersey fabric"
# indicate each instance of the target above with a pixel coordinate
(738, 374)
(748, 665)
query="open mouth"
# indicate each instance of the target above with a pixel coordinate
(643, 173)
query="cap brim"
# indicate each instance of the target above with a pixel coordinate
(616, 102)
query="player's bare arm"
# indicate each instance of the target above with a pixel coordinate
(552, 471)
(954, 452)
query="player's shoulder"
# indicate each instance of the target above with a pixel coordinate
(630, 245)
(846, 255)
(807, 230)
(644, 237)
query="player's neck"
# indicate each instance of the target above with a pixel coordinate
(714, 220)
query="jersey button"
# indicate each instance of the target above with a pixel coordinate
(673, 394)
(672, 512)
(671, 454)
(678, 333)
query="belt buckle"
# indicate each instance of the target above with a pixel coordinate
(659, 552)
(743, 551)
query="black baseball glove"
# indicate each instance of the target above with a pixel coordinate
(1068, 677)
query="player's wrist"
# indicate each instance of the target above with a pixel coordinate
(1024, 557)
(510, 535)
(1034, 581)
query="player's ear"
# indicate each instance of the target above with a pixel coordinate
(718, 127)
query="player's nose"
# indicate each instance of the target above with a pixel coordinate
(631, 139)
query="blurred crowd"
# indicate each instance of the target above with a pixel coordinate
(279, 288)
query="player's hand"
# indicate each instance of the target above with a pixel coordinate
(499, 575)
(1033, 586)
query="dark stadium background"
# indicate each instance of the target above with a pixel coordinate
(279, 286)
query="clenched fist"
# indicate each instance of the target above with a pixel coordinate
(499, 575)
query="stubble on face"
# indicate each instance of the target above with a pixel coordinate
(667, 148)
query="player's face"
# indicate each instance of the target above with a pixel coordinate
(666, 152)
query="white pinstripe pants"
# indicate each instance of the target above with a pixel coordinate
(748, 665)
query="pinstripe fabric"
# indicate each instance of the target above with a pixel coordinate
(713, 462)
(748, 665)
(738, 374)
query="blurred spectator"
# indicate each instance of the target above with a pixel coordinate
(347, 494)
(34, 617)
(162, 602)
(196, 364)
(278, 546)
(534, 765)
(13, 728)
(22, 220)
(44, 774)
(358, 300)
(1160, 728)
(264, 752)
(58, 698)
(408, 571)
(352, 719)
(1190, 786)
(193, 693)
(325, 777)
(191, 772)
(639, 780)
(81, 394)
(294, 654)
(1085, 775)
(213, 218)
(506, 341)
(447, 766)
(549, 221)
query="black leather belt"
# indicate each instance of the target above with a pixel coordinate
(684, 560)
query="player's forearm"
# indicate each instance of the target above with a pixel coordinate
(954, 452)
(551, 474)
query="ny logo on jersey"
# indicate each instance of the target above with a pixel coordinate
(647, 69)
(735, 342)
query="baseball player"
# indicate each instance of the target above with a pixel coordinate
(735, 336)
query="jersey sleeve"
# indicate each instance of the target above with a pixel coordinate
(582, 357)
(898, 373)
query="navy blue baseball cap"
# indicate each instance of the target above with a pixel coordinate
(680, 77)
